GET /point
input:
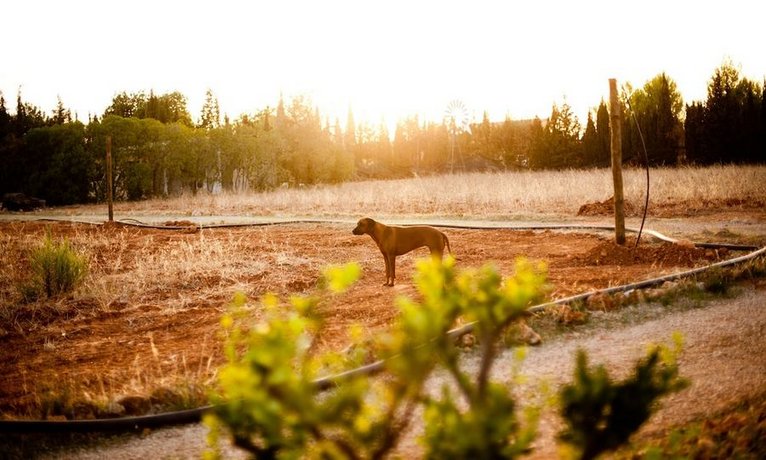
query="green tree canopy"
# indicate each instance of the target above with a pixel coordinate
(657, 108)
(557, 144)
(167, 108)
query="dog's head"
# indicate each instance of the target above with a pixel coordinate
(363, 226)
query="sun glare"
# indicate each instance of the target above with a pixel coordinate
(383, 61)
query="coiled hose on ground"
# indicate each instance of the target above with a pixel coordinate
(139, 423)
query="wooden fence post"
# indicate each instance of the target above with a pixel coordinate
(615, 131)
(109, 177)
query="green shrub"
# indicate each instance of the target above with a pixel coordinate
(718, 281)
(267, 392)
(56, 269)
(601, 415)
(478, 419)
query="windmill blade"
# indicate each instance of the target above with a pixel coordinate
(456, 116)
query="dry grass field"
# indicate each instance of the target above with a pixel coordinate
(145, 322)
(674, 191)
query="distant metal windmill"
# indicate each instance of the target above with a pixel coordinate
(456, 120)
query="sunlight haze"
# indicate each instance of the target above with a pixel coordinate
(384, 60)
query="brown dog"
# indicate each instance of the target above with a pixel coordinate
(396, 241)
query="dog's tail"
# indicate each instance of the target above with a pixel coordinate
(446, 242)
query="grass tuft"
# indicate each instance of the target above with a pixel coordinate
(56, 269)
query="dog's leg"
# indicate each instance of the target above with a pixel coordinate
(388, 268)
(393, 269)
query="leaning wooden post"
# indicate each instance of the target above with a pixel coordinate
(109, 177)
(616, 146)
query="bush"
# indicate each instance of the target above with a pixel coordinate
(56, 269)
(267, 392)
(601, 415)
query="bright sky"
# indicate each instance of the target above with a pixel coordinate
(384, 59)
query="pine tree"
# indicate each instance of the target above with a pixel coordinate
(8, 156)
(151, 108)
(266, 119)
(538, 145)
(761, 156)
(603, 156)
(350, 137)
(751, 103)
(211, 113)
(590, 143)
(384, 147)
(27, 117)
(482, 135)
(730, 126)
(562, 135)
(694, 132)
(281, 120)
(126, 105)
(722, 116)
(5, 120)
(61, 115)
(657, 107)
(20, 120)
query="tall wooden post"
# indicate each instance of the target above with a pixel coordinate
(615, 131)
(109, 177)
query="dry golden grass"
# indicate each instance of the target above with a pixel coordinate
(128, 268)
(478, 195)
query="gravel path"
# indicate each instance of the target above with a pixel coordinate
(724, 357)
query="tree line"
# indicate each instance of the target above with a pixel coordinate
(159, 150)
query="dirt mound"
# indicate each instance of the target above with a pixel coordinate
(661, 255)
(673, 209)
(606, 208)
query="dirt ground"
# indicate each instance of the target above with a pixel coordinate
(165, 331)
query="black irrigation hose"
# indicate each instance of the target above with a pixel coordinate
(139, 423)
(658, 235)
(646, 166)
(575, 227)
(138, 223)
(121, 424)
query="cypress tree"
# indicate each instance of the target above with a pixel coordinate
(603, 158)
(722, 117)
(590, 143)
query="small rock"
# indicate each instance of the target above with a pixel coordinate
(135, 405)
(528, 335)
(467, 340)
(112, 410)
(667, 285)
(83, 410)
(165, 397)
